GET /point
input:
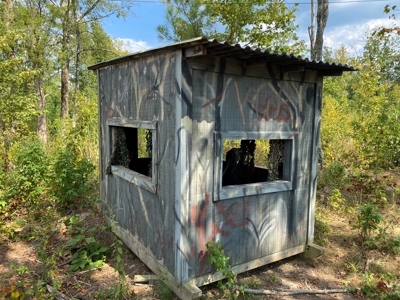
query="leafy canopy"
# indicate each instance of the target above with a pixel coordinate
(256, 23)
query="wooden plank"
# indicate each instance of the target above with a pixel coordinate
(338, 72)
(145, 278)
(194, 51)
(316, 132)
(236, 191)
(217, 64)
(257, 135)
(259, 71)
(133, 123)
(216, 276)
(101, 138)
(293, 68)
(135, 178)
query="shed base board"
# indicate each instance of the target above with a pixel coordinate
(185, 291)
(209, 278)
(314, 251)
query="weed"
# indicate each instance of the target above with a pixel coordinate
(336, 201)
(273, 278)
(333, 175)
(89, 255)
(351, 267)
(252, 282)
(221, 262)
(375, 287)
(163, 291)
(368, 220)
(21, 270)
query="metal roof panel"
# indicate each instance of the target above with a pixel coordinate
(214, 47)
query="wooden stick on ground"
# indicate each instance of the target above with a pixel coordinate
(58, 295)
(294, 292)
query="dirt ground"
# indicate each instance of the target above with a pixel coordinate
(26, 263)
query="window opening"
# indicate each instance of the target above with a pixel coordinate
(132, 148)
(252, 161)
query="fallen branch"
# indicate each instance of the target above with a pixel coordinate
(294, 292)
(57, 294)
(81, 282)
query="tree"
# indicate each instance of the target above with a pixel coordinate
(68, 17)
(185, 20)
(17, 97)
(383, 52)
(382, 31)
(256, 23)
(316, 42)
(33, 17)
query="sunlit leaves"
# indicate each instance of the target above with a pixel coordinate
(17, 100)
(361, 110)
(256, 23)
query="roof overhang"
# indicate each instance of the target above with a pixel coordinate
(250, 57)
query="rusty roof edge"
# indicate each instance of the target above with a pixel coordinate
(291, 58)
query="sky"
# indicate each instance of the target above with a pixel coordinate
(348, 21)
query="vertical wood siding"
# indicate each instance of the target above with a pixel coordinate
(142, 89)
(190, 100)
(254, 226)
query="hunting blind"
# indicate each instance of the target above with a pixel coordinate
(206, 141)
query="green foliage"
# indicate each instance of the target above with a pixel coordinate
(185, 20)
(255, 23)
(27, 180)
(17, 100)
(360, 124)
(367, 220)
(375, 287)
(273, 278)
(89, 255)
(383, 241)
(333, 175)
(336, 200)
(71, 176)
(221, 262)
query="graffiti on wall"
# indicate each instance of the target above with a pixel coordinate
(256, 225)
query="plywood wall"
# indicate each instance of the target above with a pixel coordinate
(191, 100)
(145, 90)
(251, 227)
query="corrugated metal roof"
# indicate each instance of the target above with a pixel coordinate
(247, 54)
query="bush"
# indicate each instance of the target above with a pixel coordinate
(368, 220)
(26, 183)
(71, 176)
(333, 175)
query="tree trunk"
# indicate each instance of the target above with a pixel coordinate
(42, 122)
(64, 91)
(66, 37)
(77, 66)
(9, 13)
(311, 31)
(322, 18)
(316, 45)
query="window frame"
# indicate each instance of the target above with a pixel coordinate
(140, 180)
(258, 188)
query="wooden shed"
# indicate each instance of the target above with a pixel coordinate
(178, 129)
